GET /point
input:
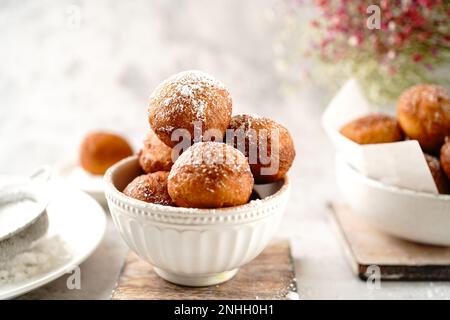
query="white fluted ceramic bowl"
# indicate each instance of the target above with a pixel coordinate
(408, 214)
(193, 247)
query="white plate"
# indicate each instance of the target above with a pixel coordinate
(77, 225)
(83, 180)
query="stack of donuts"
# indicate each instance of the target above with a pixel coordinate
(423, 114)
(188, 156)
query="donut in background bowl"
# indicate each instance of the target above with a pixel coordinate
(445, 158)
(373, 128)
(423, 112)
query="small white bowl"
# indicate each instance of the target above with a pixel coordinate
(408, 214)
(193, 247)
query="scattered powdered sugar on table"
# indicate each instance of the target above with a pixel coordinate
(44, 256)
(292, 296)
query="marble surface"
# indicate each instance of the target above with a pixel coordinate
(71, 66)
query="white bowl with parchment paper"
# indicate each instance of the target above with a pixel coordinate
(412, 215)
(401, 164)
(389, 184)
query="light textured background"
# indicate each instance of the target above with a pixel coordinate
(62, 74)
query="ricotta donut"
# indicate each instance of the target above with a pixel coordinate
(439, 177)
(151, 188)
(192, 101)
(266, 143)
(210, 175)
(100, 150)
(423, 112)
(445, 158)
(373, 128)
(155, 155)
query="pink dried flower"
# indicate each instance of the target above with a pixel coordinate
(315, 24)
(344, 29)
(414, 35)
(417, 57)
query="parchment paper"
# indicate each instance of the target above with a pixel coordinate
(401, 164)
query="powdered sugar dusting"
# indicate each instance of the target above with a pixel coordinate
(201, 110)
(246, 121)
(45, 255)
(167, 102)
(255, 130)
(185, 91)
(150, 188)
(211, 159)
(422, 94)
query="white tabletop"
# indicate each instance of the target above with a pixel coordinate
(66, 69)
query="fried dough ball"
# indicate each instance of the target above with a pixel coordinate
(155, 155)
(210, 175)
(439, 177)
(445, 158)
(423, 112)
(151, 188)
(100, 150)
(269, 157)
(373, 128)
(188, 100)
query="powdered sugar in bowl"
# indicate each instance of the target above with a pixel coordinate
(194, 247)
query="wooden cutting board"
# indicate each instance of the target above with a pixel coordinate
(269, 276)
(372, 251)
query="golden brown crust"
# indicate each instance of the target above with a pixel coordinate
(445, 158)
(186, 98)
(100, 150)
(373, 128)
(423, 112)
(439, 177)
(151, 188)
(155, 155)
(254, 128)
(210, 175)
